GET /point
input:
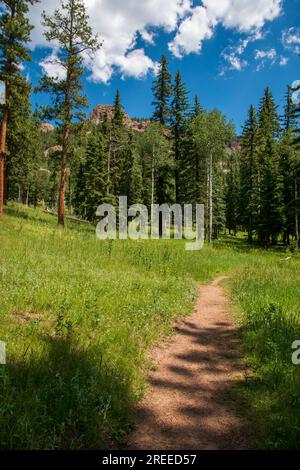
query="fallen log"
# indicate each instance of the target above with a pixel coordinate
(68, 217)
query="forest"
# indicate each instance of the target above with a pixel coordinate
(79, 315)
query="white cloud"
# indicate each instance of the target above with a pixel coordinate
(291, 39)
(283, 61)
(233, 54)
(136, 64)
(245, 15)
(236, 63)
(52, 67)
(270, 54)
(147, 36)
(264, 56)
(192, 32)
(119, 23)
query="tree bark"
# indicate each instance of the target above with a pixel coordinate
(66, 126)
(2, 150)
(63, 175)
(210, 198)
(108, 165)
(153, 188)
(177, 175)
(152, 178)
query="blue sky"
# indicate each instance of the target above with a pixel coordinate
(228, 51)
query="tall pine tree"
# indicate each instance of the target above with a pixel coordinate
(117, 138)
(287, 167)
(162, 91)
(69, 29)
(90, 187)
(233, 193)
(179, 108)
(15, 32)
(132, 178)
(272, 218)
(249, 202)
(196, 109)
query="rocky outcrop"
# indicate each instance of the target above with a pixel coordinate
(46, 127)
(102, 112)
(234, 145)
(140, 125)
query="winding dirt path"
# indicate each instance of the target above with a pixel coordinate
(187, 405)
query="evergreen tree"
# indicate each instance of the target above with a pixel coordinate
(250, 176)
(15, 32)
(203, 167)
(162, 91)
(94, 186)
(296, 121)
(80, 191)
(179, 108)
(271, 215)
(25, 158)
(69, 29)
(287, 169)
(132, 179)
(296, 168)
(196, 109)
(116, 141)
(118, 119)
(233, 193)
(287, 155)
(289, 121)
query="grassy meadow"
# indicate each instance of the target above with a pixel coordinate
(78, 316)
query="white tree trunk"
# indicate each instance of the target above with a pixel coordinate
(210, 198)
(296, 213)
(152, 181)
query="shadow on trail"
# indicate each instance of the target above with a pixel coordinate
(190, 404)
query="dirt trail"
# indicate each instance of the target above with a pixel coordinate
(187, 405)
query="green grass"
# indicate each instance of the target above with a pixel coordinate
(78, 316)
(268, 296)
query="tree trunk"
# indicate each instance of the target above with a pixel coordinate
(152, 179)
(108, 182)
(63, 175)
(296, 214)
(207, 204)
(66, 125)
(210, 198)
(27, 197)
(177, 177)
(2, 150)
